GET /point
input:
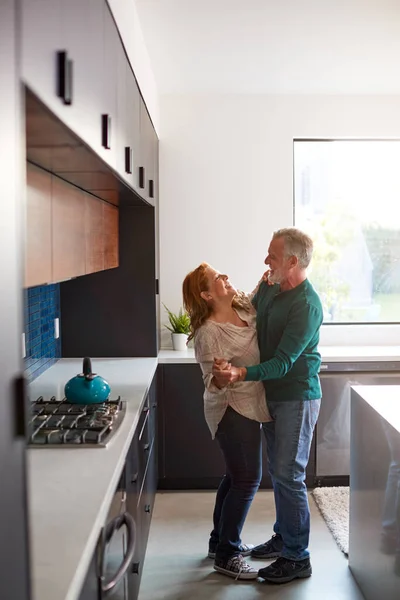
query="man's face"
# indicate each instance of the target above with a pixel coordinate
(278, 264)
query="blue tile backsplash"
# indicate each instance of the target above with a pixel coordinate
(41, 307)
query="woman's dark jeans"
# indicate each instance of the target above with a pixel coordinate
(240, 441)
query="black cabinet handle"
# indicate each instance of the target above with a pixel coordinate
(68, 82)
(154, 405)
(105, 131)
(64, 77)
(141, 177)
(135, 567)
(128, 160)
(147, 508)
(20, 399)
(134, 478)
(151, 188)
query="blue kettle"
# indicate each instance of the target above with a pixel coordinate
(87, 387)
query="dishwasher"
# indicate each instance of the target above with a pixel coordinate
(333, 427)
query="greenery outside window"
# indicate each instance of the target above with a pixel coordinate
(347, 197)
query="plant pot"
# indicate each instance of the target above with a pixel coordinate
(179, 341)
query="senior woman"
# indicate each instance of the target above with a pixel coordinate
(223, 324)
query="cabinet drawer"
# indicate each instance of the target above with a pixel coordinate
(139, 455)
(146, 503)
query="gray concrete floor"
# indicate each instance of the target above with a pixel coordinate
(176, 567)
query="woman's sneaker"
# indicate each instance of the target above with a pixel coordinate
(236, 567)
(244, 549)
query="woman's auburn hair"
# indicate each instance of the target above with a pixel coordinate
(197, 308)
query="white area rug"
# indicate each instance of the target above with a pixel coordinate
(333, 502)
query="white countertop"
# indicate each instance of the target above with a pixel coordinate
(328, 353)
(70, 489)
(385, 399)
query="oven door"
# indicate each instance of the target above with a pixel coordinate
(117, 551)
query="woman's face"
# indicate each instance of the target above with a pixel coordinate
(219, 285)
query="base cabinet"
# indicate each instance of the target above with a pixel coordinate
(138, 486)
(188, 457)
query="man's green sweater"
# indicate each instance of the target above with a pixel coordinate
(288, 326)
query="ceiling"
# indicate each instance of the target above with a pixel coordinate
(273, 46)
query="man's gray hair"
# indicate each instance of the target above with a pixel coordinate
(297, 243)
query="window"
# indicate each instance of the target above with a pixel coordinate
(347, 198)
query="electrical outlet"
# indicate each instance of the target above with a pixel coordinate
(56, 328)
(23, 346)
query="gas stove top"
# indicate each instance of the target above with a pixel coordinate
(59, 423)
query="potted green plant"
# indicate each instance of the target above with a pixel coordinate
(179, 326)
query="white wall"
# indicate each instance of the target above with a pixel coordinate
(126, 17)
(226, 180)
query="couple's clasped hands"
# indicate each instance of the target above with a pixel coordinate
(224, 373)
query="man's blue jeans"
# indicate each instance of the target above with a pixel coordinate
(240, 441)
(289, 438)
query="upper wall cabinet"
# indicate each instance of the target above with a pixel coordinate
(128, 132)
(74, 61)
(148, 179)
(83, 24)
(38, 267)
(68, 232)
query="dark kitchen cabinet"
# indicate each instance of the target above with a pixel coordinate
(140, 483)
(142, 475)
(188, 457)
(14, 544)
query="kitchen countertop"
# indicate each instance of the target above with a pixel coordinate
(328, 353)
(385, 399)
(70, 489)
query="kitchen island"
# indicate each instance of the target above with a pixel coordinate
(374, 548)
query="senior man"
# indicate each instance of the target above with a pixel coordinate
(289, 317)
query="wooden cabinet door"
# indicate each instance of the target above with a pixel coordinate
(42, 37)
(38, 267)
(83, 31)
(68, 208)
(94, 234)
(111, 238)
